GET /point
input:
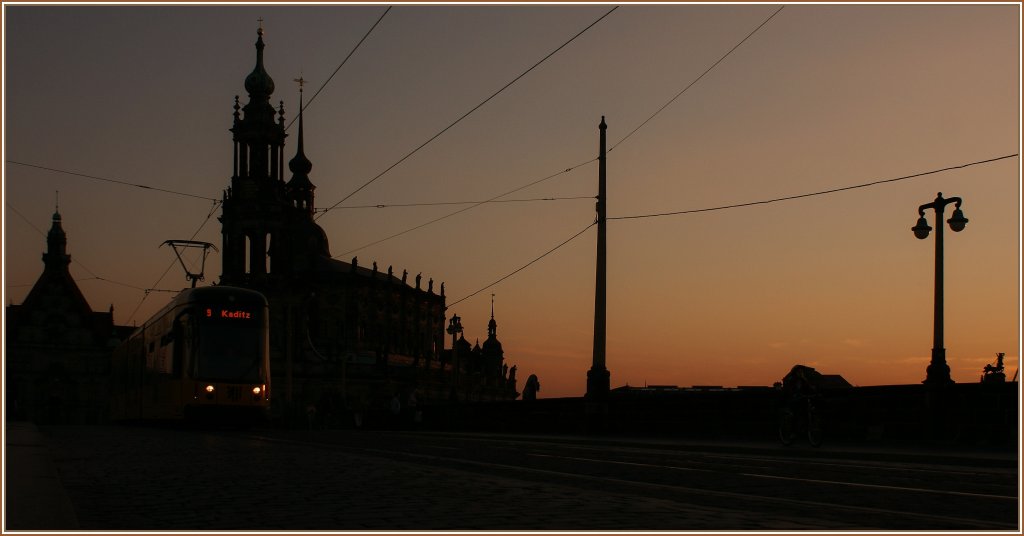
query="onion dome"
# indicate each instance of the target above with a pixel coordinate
(492, 346)
(56, 240)
(300, 188)
(259, 83)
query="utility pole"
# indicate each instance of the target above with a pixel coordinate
(598, 377)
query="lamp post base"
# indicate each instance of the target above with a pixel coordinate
(938, 370)
(598, 384)
(596, 411)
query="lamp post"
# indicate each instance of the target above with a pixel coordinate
(454, 328)
(598, 377)
(938, 370)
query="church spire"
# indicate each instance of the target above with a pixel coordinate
(492, 346)
(259, 83)
(258, 175)
(492, 326)
(300, 188)
(56, 257)
(259, 139)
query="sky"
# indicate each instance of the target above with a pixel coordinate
(821, 97)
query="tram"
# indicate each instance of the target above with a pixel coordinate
(204, 355)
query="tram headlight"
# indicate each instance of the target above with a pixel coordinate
(258, 392)
(209, 388)
(209, 391)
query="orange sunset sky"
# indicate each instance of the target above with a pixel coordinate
(821, 97)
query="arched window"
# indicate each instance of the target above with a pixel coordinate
(248, 251)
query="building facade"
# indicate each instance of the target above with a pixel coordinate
(57, 349)
(339, 330)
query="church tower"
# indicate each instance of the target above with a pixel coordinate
(300, 188)
(55, 311)
(492, 352)
(56, 258)
(252, 213)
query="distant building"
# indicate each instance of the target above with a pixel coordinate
(483, 373)
(345, 331)
(804, 374)
(57, 348)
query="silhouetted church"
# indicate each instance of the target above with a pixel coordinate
(338, 329)
(57, 350)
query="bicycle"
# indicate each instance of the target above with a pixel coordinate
(806, 419)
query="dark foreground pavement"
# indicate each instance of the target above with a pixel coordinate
(139, 478)
(34, 497)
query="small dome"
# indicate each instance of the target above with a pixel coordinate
(300, 166)
(317, 238)
(259, 82)
(56, 229)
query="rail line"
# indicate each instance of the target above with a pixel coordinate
(622, 484)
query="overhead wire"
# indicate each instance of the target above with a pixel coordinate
(44, 235)
(26, 220)
(342, 64)
(811, 194)
(96, 278)
(691, 84)
(461, 210)
(378, 205)
(215, 201)
(76, 261)
(115, 181)
(738, 205)
(465, 115)
(641, 125)
(169, 266)
(495, 198)
(126, 183)
(523, 267)
(442, 203)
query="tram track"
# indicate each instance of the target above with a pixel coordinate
(981, 479)
(802, 496)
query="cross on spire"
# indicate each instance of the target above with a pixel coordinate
(301, 81)
(260, 20)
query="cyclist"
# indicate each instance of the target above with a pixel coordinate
(799, 389)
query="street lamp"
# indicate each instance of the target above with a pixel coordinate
(938, 370)
(454, 328)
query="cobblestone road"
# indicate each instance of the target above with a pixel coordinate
(122, 478)
(160, 479)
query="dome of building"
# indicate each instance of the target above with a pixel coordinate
(259, 81)
(492, 346)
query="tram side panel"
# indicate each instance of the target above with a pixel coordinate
(205, 352)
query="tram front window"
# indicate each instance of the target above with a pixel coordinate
(230, 349)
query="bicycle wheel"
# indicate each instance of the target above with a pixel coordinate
(814, 432)
(787, 427)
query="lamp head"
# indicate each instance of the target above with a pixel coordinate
(958, 221)
(922, 228)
